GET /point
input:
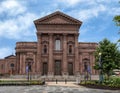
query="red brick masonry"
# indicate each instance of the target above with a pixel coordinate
(56, 52)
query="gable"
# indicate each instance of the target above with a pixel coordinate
(57, 18)
(10, 56)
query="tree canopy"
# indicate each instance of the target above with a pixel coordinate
(117, 20)
(110, 57)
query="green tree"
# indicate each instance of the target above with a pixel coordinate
(117, 20)
(110, 57)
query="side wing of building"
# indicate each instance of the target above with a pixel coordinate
(8, 65)
(25, 50)
(87, 58)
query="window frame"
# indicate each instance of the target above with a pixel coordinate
(57, 44)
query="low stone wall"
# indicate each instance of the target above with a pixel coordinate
(52, 78)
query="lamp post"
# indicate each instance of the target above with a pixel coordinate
(100, 65)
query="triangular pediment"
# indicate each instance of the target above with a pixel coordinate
(57, 18)
(10, 57)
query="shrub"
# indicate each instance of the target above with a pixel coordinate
(112, 82)
(20, 82)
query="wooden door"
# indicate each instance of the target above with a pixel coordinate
(70, 68)
(58, 67)
(45, 68)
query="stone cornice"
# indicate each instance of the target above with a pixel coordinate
(57, 32)
(44, 42)
(57, 13)
(70, 42)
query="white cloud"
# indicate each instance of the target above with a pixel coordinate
(86, 29)
(5, 52)
(86, 14)
(12, 6)
(88, 9)
(70, 2)
(95, 9)
(114, 11)
(18, 27)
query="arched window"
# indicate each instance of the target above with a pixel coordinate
(57, 44)
(11, 65)
(70, 49)
(45, 49)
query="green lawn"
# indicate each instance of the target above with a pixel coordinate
(21, 82)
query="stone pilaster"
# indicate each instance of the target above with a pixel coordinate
(38, 64)
(81, 65)
(65, 63)
(77, 72)
(17, 63)
(33, 63)
(20, 71)
(24, 68)
(50, 63)
(91, 62)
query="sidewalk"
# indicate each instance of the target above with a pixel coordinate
(69, 84)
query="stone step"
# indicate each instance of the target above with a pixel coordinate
(52, 78)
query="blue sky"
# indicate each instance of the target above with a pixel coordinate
(17, 16)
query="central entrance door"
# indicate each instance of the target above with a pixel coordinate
(57, 67)
(45, 68)
(70, 68)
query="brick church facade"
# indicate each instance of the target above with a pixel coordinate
(56, 52)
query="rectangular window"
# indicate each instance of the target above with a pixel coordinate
(57, 45)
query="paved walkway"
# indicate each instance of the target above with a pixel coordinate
(51, 89)
(68, 84)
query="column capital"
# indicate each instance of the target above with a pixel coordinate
(39, 34)
(64, 34)
(76, 34)
(50, 34)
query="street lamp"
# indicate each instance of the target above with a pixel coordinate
(100, 65)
